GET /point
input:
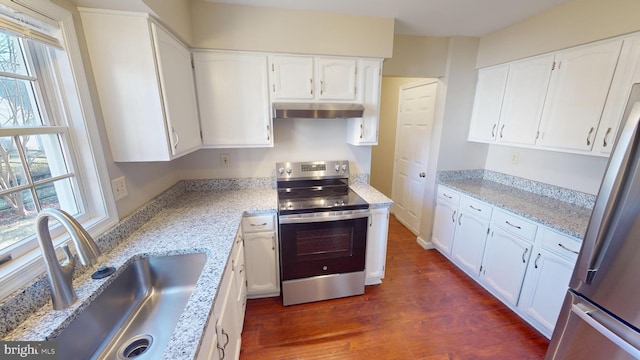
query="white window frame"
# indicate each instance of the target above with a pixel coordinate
(91, 168)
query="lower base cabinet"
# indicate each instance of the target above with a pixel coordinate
(377, 235)
(527, 269)
(261, 254)
(222, 337)
(547, 280)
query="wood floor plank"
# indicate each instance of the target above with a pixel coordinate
(425, 309)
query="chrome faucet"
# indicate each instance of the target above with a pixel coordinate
(61, 275)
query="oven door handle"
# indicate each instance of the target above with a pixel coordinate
(321, 217)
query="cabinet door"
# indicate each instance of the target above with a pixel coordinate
(470, 236)
(233, 99)
(488, 103)
(178, 92)
(444, 223)
(377, 245)
(524, 100)
(240, 281)
(291, 77)
(227, 332)
(504, 263)
(545, 287)
(261, 255)
(577, 93)
(336, 79)
(364, 131)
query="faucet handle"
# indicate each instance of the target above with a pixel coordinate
(69, 261)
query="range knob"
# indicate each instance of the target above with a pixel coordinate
(337, 167)
(281, 170)
(344, 167)
(288, 171)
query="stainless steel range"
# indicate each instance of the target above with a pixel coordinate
(322, 232)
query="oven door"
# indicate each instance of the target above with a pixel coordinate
(323, 243)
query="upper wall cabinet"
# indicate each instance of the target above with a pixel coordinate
(488, 103)
(145, 85)
(233, 98)
(577, 93)
(364, 130)
(298, 78)
(569, 101)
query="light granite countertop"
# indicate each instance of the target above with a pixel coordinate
(562, 216)
(195, 221)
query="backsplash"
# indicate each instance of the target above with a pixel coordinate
(555, 192)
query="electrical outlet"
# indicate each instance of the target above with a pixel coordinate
(119, 187)
(515, 157)
(224, 160)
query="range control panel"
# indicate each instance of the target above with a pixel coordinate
(312, 170)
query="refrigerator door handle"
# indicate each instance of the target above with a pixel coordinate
(608, 327)
(596, 242)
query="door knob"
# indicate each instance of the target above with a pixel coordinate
(422, 174)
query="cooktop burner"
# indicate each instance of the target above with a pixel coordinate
(316, 186)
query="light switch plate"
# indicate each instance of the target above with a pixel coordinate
(119, 187)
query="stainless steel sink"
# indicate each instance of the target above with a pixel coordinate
(134, 317)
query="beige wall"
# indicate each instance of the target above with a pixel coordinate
(176, 14)
(234, 27)
(576, 22)
(382, 156)
(417, 56)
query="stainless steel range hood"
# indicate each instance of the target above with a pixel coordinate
(317, 110)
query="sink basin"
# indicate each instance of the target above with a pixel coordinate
(134, 317)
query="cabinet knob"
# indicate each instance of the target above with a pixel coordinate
(422, 174)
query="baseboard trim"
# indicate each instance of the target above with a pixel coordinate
(425, 244)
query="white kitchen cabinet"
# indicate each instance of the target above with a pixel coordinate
(222, 337)
(297, 78)
(444, 220)
(336, 79)
(523, 102)
(148, 100)
(291, 77)
(488, 103)
(506, 255)
(233, 94)
(377, 236)
(364, 130)
(627, 73)
(577, 93)
(547, 279)
(261, 255)
(470, 236)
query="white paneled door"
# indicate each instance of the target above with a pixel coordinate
(416, 107)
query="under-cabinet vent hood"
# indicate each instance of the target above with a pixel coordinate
(317, 110)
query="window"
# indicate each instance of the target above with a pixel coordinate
(35, 166)
(50, 151)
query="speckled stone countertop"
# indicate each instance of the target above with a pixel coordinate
(203, 219)
(569, 218)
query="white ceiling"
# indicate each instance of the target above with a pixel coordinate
(425, 17)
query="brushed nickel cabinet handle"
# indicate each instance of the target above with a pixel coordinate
(447, 196)
(589, 136)
(606, 135)
(493, 131)
(535, 264)
(526, 250)
(515, 226)
(311, 86)
(460, 218)
(475, 208)
(566, 248)
(501, 130)
(453, 216)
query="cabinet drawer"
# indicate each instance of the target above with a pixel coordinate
(515, 225)
(475, 208)
(257, 223)
(446, 194)
(563, 245)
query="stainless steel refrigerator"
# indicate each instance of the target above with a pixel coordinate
(600, 317)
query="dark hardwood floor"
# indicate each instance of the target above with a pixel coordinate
(425, 309)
